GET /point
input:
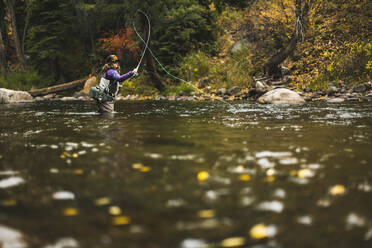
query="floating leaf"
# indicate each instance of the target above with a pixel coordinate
(244, 177)
(78, 171)
(233, 242)
(348, 150)
(145, 169)
(337, 190)
(121, 220)
(305, 173)
(103, 201)
(261, 231)
(269, 179)
(114, 210)
(293, 173)
(9, 203)
(209, 213)
(137, 166)
(70, 211)
(203, 175)
(75, 155)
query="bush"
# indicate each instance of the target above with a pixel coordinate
(195, 66)
(22, 80)
(138, 86)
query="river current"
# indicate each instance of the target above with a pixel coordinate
(168, 174)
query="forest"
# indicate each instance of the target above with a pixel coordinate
(227, 43)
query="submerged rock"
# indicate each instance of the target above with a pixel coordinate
(281, 95)
(12, 96)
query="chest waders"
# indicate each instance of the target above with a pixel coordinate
(101, 93)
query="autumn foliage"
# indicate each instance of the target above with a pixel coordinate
(122, 44)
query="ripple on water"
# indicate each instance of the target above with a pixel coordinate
(11, 182)
(11, 238)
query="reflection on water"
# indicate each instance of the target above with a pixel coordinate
(186, 175)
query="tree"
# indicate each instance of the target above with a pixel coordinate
(17, 43)
(302, 11)
(3, 62)
(53, 40)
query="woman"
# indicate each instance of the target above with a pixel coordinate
(109, 83)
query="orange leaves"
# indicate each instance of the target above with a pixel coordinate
(122, 43)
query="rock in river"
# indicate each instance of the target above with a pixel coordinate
(281, 95)
(12, 96)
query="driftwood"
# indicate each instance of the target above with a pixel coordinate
(58, 88)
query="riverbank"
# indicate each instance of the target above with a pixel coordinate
(358, 93)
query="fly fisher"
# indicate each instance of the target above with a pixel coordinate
(109, 86)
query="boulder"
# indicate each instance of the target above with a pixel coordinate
(281, 95)
(91, 82)
(332, 90)
(221, 92)
(234, 90)
(239, 45)
(362, 88)
(13, 96)
(203, 83)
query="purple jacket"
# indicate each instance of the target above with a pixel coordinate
(115, 78)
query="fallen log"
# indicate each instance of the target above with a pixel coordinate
(57, 88)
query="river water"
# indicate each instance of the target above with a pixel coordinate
(186, 175)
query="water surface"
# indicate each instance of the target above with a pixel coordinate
(186, 175)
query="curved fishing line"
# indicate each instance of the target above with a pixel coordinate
(152, 54)
(148, 36)
(157, 60)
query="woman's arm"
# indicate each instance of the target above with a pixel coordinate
(116, 76)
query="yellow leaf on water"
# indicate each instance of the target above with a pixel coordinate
(244, 177)
(233, 242)
(209, 213)
(348, 150)
(114, 210)
(203, 175)
(9, 203)
(305, 173)
(103, 201)
(259, 231)
(121, 220)
(337, 190)
(293, 173)
(137, 166)
(269, 179)
(70, 211)
(75, 155)
(145, 169)
(78, 171)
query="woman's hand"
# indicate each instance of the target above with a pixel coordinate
(135, 71)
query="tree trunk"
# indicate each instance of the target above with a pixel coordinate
(154, 75)
(58, 88)
(150, 63)
(17, 43)
(272, 65)
(3, 62)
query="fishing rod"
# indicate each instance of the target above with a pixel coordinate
(148, 36)
(156, 59)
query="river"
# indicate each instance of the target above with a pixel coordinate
(168, 174)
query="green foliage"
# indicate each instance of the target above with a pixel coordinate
(138, 86)
(195, 66)
(22, 80)
(53, 43)
(185, 88)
